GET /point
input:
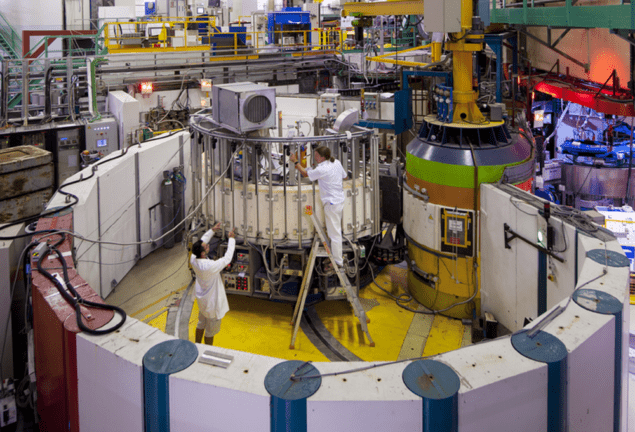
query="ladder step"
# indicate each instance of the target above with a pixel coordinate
(351, 295)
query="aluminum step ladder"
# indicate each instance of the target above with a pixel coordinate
(324, 250)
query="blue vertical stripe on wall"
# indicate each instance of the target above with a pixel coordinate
(158, 363)
(290, 383)
(438, 385)
(546, 348)
(542, 283)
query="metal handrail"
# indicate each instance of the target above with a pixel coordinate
(15, 42)
(137, 41)
(46, 38)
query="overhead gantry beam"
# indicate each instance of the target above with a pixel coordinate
(613, 16)
(407, 7)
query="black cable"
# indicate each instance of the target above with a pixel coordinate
(74, 299)
(25, 253)
(68, 194)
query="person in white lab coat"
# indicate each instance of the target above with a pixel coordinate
(329, 174)
(209, 288)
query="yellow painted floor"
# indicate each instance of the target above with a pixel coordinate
(388, 322)
(264, 327)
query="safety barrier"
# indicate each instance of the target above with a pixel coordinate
(565, 370)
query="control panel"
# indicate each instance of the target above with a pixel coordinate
(372, 105)
(330, 104)
(235, 282)
(236, 276)
(37, 139)
(67, 150)
(102, 136)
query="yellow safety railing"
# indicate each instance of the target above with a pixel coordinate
(178, 34)
(195, 34)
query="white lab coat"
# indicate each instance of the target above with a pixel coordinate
(209, 288)
(330, 176)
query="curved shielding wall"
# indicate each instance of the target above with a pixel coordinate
(501, 389)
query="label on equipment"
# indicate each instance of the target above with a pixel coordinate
(455, 225)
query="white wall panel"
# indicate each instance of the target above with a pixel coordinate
(153, 160)
(118, 208)
(10, 254)
(564, 273)
(500, 388)
(338, 416)
(499, 294)
(422, 224)
(33, 15)
(118, 219)
(85, 223)
(526, 263)
(209, 398)
(591, 364)
(510, 276)
(294, 109)
(110, 377)
(598, 47)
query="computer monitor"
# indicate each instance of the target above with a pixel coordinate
(547, 119)
(200, 10)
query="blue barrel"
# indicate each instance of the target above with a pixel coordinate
(288, 396)
(159, 363)
(438, 385)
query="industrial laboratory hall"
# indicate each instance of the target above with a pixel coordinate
(317, 216)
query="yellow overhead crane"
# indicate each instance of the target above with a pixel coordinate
(397, 7)
(461, 44)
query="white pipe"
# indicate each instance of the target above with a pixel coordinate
(90, 87)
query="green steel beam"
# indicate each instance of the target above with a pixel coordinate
(620, 16)
(15, 101)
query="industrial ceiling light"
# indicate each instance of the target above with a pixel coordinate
(146, 88)
(206, 85)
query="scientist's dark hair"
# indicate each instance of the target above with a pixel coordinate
(197, 248)
(325, 152)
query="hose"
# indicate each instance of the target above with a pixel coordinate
(47, 94)
(73, 297)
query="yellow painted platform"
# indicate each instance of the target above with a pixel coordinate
(264, 327)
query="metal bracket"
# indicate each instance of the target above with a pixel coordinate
(350, 226)
(248, 231)
(275, 231)
(295, 232)
(227, 191)
(275, 198)
(249, 195)
(623, 34)
(511, 235)
(303, 198)
(553, 45)
(586, 66)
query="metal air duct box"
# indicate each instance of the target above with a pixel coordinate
(244, 107)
